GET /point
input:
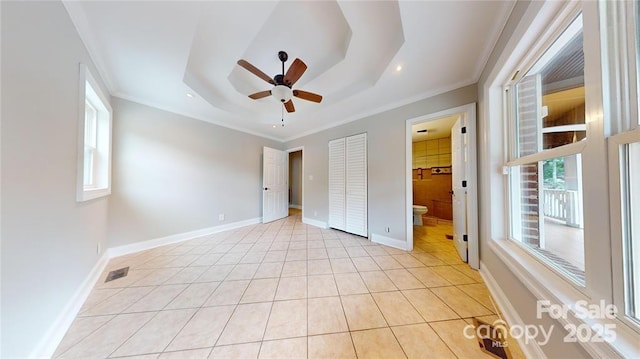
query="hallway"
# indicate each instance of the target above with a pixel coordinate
(285, 289)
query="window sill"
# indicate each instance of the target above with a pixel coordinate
(545, 284)
(89, 194)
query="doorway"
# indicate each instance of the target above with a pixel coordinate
(442, 178)
(295, 182)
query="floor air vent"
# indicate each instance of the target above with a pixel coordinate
(118, 273)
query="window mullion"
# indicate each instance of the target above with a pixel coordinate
(563, 151)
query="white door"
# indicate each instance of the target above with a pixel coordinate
(458, 179)
(275, 174)
(337, 186)
(356, 184)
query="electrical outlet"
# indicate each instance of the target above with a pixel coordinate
(221, 217)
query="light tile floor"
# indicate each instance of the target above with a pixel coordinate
(285, 290)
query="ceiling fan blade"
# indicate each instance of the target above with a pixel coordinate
(309, 96)
(295, 71)
(254, 70)
(289, 106)
(260, 94)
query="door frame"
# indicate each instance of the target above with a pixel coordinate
(469, 111)
(301, 149)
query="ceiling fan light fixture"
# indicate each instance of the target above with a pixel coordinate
(281, 93)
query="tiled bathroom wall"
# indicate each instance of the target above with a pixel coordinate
(433, 189)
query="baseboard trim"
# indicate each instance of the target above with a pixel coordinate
(296, 206)
(56, 332)
(530, 349)
(314, 222)
(177, 238)
(388, 241)
(50, 341)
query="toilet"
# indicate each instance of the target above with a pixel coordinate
(418, 211)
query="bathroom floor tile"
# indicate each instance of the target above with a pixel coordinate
(156, 299)
(285, 289)
(342, 265)
(228, 292)
(396, 308)
(294, 269)
(288, 319)
(429, 277)
(80, 329)
(464, 305)
(184, 354)
(364, 264)
(403, 279)
(292, 288)
(418, 339)
(325, 315)
(247, 324)
(362, 312)
(387, 262)
(480, 293)
(237, 351)
(203, 329)
(102, 342)
(377, 281)
(321, 286)
(319, 266)
(429, 305)
(284, 349)
(464, 347)
(338, 346)
(260, 290)
(350, 283)
(155, 335)
(377, 343)
(453, 275)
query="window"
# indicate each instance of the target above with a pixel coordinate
(596, 157)
(545, 177)
(94, 160)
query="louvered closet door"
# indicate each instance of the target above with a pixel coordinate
(356, 184)
(337, 203)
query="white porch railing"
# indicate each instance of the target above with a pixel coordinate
(563, 205)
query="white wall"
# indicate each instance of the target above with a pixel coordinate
(48, 239)
(386, 139)
(173, 174)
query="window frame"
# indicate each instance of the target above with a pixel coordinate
(89, 91)
(513, 160)
(624, 109)
(617, 144)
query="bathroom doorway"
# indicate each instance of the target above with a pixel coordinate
(441, 180)
(295, 181)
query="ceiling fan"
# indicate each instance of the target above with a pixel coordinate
(282, 82)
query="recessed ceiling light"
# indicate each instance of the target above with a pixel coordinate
(274, 126)
(398, 68)
(189, 95)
